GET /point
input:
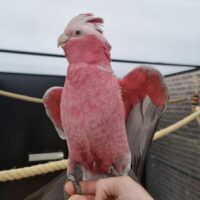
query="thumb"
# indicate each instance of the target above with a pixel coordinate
(105, 189)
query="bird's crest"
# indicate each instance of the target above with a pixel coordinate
(88, 18)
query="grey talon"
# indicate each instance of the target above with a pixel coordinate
(77, 188)
(113, 172)
(66, 196)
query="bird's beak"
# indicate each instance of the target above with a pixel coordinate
(62, 40)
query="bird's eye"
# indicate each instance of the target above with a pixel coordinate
(78, 32)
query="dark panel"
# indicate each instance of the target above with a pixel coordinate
(25, 128)
(18, 190)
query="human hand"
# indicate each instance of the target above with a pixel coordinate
(120, 188)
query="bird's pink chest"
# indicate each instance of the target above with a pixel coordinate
(92, 115)
(84, 96)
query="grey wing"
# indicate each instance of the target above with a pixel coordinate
(141, 124)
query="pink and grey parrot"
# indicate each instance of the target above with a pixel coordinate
(108, 123)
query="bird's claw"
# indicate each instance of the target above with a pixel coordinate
(113, 172)
(77, 188)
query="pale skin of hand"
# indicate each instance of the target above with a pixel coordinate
(120, 188)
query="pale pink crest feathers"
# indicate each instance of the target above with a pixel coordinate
(87, 19)
(88, 24)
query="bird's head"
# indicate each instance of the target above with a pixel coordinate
(83, 40)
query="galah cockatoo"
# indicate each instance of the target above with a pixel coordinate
(108, 123)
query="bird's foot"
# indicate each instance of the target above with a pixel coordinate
(71, 177)
(113, 172)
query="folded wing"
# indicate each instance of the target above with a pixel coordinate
(51, 101)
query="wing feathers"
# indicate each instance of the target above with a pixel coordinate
(145, 96)
(51, 101)
(140, 125)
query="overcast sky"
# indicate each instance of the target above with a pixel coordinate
(146, 30)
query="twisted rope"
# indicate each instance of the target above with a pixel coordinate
(177, 125)
(16, 174)
(39, 100)
(20, 97)
(179, 100)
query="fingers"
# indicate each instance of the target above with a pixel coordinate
(108, 189)
(111, 187)
(87, 188)
(69, 188)
(104, 189)
(101, 188)
(80, 197)
(76, 197)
